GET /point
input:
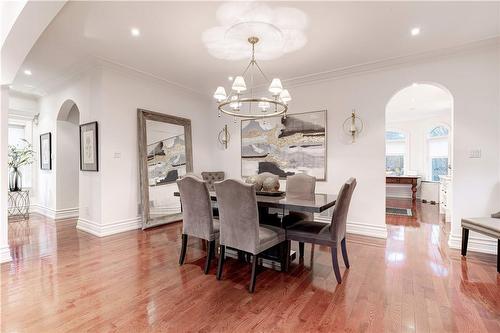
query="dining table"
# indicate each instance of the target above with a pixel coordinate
(272, 209)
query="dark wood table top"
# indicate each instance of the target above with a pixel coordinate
(403, 176)
(321, 202)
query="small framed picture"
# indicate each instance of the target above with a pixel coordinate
(46, 151)
(89, 159)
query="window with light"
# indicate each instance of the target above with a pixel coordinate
(395, 152)
(16, 135)
(438, 148)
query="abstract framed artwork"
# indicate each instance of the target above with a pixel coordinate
(89, 157)
(46, 151)
(285, 146)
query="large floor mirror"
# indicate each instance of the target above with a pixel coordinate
(165, 154)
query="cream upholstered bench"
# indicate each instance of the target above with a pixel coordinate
(489, 226)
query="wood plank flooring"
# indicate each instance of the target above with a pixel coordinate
(64, 280)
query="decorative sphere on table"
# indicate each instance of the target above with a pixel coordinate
(271, 184)
(256, 181)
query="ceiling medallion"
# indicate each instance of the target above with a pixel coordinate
(242, 102)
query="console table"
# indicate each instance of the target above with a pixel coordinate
(406, 180)
(19, 204)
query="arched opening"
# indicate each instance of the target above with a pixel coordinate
(419, 143)
(67, 160)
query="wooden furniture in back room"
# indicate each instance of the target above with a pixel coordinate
(408, 180)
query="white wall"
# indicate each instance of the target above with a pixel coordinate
(109, 199)
(68, 163)
(472, 78)
(85, 92)
(4, 111)
(123, 92)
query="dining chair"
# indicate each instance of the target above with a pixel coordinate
(240, 228)
(197, 218)
(299, 186)
(211, 177)
(332, 234)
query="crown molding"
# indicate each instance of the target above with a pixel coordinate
(13, 92)
(72, 73)
(122, 68)
(389, 63)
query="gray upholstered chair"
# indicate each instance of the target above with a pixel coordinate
(332, 234)
(299, 186)
(197, 218)
(239, 225)
(210, 177)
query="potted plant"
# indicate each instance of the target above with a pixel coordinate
(18, 157)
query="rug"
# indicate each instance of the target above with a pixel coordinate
(398, 211)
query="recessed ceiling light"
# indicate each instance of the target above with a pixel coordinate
(135, 32)
(27, 72)
(415, 31)
(230, 78)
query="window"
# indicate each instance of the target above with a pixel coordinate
(17, 133)
(395, 152)
(438, 131)
(438, 147)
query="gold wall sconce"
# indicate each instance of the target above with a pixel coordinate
(224, 137)
(353, 126)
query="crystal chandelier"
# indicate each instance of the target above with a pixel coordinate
(242, 102)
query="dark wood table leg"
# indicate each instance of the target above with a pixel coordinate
(414, 190)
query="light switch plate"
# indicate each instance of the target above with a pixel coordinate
(475, 153)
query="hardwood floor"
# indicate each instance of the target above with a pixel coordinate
(62, 279)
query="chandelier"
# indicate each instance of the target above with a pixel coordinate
(242, 102)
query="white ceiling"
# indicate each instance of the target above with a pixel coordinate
(339, 35)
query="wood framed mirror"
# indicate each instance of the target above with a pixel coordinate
(165, 154)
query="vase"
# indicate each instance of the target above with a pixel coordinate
(15, 180)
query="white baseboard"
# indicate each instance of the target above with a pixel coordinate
(102, 230)
(475, 244)
(54, 214)
(5, 254)
(363, 229)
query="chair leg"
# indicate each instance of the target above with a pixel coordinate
(183, 249)
(344, 252)
(335, 264)
(465, 240)
(301, 249)
(253, 278)
(222, 251)
(210, 254)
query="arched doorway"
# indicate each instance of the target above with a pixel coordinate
(67, 160)
(419, 141)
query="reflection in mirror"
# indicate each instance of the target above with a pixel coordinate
(165, 156)
(166, 163)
